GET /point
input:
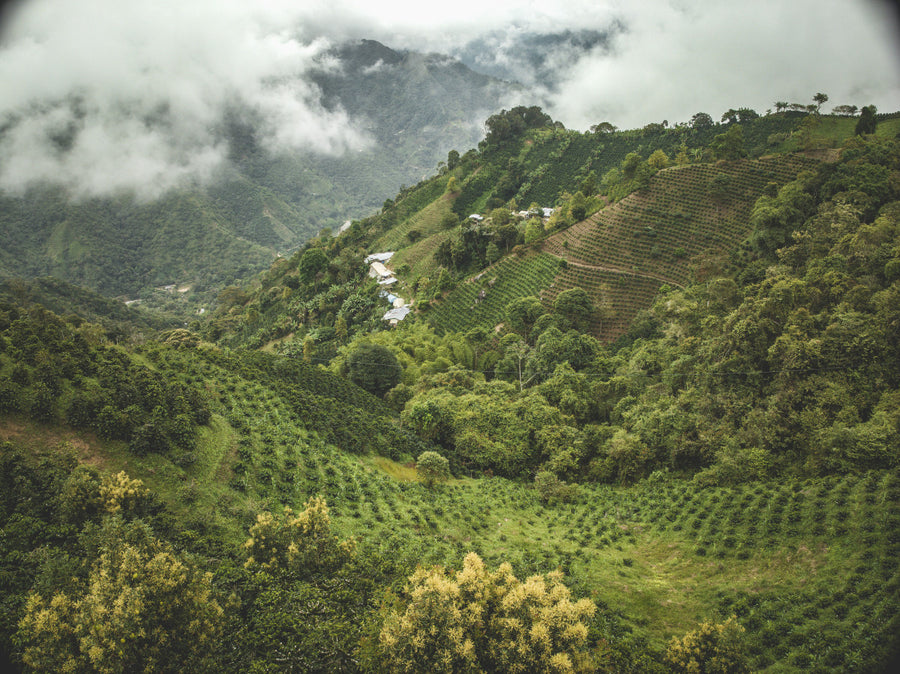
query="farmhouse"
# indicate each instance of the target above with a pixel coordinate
(396, 315)
(379, 271)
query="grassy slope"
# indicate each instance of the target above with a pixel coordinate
(622, 254)
(810, 568)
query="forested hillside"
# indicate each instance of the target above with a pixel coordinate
(655, 430)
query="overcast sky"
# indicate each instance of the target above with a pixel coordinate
(139, 87)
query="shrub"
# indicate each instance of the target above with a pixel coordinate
(712, 647)
(483, 620)
(433, 467)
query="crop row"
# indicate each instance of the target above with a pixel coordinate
(661, 231)
(483, 302)
(618, 297)
(813, 565)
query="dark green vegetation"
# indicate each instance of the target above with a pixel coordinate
(728, 448)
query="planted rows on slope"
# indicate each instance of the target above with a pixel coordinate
(658, 235)
(482, 301)
(619, 296)
(677, 218)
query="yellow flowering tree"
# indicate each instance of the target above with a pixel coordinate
(86, 493)
(144, 610)
(713, 648)
(301, 542)
(479, 620)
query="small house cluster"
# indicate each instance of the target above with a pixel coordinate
(385, 277)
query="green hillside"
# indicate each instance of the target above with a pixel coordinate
(660, 425)
(662, 234)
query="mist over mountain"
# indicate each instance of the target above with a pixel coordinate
(532, 57)
(206, 209)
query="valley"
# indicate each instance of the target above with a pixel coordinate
(666, 418)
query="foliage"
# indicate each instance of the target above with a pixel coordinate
(374, 368)
(298, 544)
(143, 609)
(552, 490)
(433, 467)
(483, 620)
(711, 648)
(867, 122)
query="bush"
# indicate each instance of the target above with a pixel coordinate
(433, 467)
(711, 648)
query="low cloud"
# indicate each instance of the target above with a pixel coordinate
(106, 95)
(102, 95)
(674, 59)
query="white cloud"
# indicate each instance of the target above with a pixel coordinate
(676, 59)
(141, 86)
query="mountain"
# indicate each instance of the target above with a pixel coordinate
(414, 107)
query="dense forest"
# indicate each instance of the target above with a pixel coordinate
(643, 416)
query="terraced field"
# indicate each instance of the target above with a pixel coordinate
(512, 277)
(657, 236)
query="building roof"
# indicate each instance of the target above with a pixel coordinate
(378, 269)
(397, 314)
(379, 257)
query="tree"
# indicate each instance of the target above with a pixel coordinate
(603, 127)
(340, 330)
(309, 349)
(488, 621)
(452, 160)
(730, 116)
(300, 544)
(729, 145)
(144, 609)
(534, 230)
(575, 306)
(491, 253)
(820, 99)
(719, 187)
(522, 312)
(433, 467)
(845, 110)
(500, 216)
(630, 165)
(452, 185)
(710, 649)
(373, 367)
(312, 262)
(701, 121)
(658, 160)
(867, 122)
(553, 490)
(578, 207)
